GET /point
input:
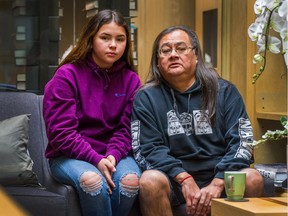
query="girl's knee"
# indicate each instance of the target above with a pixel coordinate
(91, 182)
(129, 185)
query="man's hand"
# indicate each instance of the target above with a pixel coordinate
(107, 169)
(198, 201)
(213, 190)
(190, 192)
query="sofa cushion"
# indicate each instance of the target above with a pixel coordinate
(15, 162)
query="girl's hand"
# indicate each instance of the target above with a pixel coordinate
(107, 169)
(113, 162)
(112, 159)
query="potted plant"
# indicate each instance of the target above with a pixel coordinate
(274, 135)
(270, 32)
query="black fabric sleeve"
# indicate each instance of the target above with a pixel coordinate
(148, 144)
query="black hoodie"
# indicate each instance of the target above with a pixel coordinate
(171, 134)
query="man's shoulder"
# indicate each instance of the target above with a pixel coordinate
(227, 91)
(224, 85)
(149, 90)
(149, 93)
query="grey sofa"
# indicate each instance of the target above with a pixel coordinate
(52, 198)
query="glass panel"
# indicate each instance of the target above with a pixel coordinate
(36, 33)
(29, 43)
(210, 37)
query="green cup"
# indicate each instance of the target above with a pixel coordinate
(235, 182)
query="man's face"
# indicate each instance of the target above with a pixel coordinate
(177, 59)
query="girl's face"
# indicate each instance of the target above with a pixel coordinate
(109, 44)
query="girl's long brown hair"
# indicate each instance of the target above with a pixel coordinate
(83, 47)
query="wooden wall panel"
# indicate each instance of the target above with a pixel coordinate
(250, 67)
(234, 31)
(238, 37)
(207, 5)
(153, 17)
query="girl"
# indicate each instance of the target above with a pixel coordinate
(87, 107)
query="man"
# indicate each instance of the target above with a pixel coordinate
(188, 127)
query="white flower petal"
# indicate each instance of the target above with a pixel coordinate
(284, 36)
(272, 4)
(277, 22)
(255, 30)
(285, 49)
(283, 10)
(259, 6)
(274, 44)
(261, 44)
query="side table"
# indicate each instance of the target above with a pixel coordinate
(264, 206)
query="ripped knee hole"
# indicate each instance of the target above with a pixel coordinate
(130, 183)
(90, 181)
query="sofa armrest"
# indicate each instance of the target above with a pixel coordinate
(67, 191)
(51, 184)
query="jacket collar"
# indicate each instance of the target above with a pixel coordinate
(116, 67)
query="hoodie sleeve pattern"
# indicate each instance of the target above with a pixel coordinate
(238, 133)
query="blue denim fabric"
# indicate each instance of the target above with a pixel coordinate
(100, 202)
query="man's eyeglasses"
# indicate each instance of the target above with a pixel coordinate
(180, 50)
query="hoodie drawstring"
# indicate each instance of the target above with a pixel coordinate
(175, 102)
(107, 79)
(188, 103)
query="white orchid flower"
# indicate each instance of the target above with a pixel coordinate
(284, 36)
(270, 14)
(274, 44)
(272, 4)
(261, 44)
(283, 10)
(260, 6)
(277, 22)
(286, 58)
(255, 30)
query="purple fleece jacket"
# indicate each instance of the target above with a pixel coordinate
(87, 111)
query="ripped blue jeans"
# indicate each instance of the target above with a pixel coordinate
(98, 201)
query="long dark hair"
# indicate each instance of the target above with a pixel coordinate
(83, 47)
(207, 76)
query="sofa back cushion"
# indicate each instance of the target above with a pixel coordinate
(15, 161)
(19, 103)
